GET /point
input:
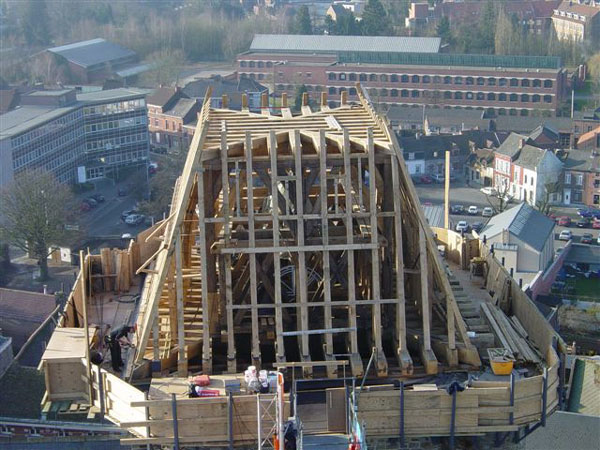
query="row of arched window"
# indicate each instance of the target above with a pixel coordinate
(438, 79)
(256, 64)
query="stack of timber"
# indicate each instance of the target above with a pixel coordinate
(510, 334)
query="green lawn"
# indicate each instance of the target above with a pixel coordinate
(587, 287)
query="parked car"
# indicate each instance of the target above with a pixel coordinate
(134, 219)
(84, 207)
(98, 197)
(477, 226)
(596, 224)
(438, 178)
(583, 223)
(487, 211)
(565, 235)
(425, 179)
(587, 238)
(457, 209)
(564, 221)
(488, 190)
(90, 201)
(589, 213)
(126, 236)
(128, 212)
(473, 210)
(462, 225)
(122, 192)
(416, 179)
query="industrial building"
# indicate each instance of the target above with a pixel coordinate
(405, 71)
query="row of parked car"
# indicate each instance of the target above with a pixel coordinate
(586, 238)
(464, 226)
(91, 202)
(431, 179)
(583, 222)
(472, 210)
(132, 217)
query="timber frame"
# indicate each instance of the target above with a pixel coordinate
(340, 260)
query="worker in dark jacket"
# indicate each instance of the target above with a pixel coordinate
(117, 337)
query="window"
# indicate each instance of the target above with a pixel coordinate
(513, 97)
(269, 64)
(458, 95)
(260, 64)
(480, 96)
(502, 82)
(394, 78)
(547, 99)
(537, 83)
(447, 80)
(404, 78)
(491, 96)
(243, 64)
(579, 179)
(372, 77)
(567, 177)
(514, 82)
(383, 92)
(331, 90)
(437, 79)
(502, 97)
(426, 79)
(342, 89)
(525, 98)
(251, 64)
(342, 76)
(331, 76)
(308, 75)
(260, 76)
(525, 82)
(404, 93)
(415, 79)
(532, 180)
(394, 92)
(352, 77)
(525, 179)
(469, 81)
(447, 94)
(458, 80)
(469, 96)
(383, 78)
(535, 98)
(352, 91)
(480, 81)
(362, 77)
(414, 94)
(548, 83)
(491, 82)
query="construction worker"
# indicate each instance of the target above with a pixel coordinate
(116, 338)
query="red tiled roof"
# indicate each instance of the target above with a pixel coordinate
(25, 305)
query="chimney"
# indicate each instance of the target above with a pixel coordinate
(521, 143)
(45, 289)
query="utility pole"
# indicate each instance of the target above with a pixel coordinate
(447, 192)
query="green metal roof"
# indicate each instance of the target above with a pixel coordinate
(449, 59)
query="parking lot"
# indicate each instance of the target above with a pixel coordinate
(461, 194)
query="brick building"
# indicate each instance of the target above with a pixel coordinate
(414, 73)
(577, 21)
(581, 179)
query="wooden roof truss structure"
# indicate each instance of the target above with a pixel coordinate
(339, 261)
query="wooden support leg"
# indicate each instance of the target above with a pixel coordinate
(182, 368)
(231, 356)
(206, 310)
(427, 356)
(404, 360)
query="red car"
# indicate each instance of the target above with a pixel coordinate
(425, 179)
(84, 207)
(596, 224)
(564, 221)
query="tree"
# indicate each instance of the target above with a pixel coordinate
(162, 184)
(34, 210)
(499, 198)
(487, 27)
(300, 90)
(550, 189)
(443, 30)
(34, 22)
(165, 66)
(347, 25)
(301, 23)
(375, 21)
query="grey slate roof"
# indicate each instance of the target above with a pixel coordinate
(26, 117)
(181, 108)
(112, 94)
(530, 157)
(524, 222)
(584, 254)
(510, 146)
(584, 160)
(329, 43)
(92, 52)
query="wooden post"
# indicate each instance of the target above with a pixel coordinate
(303, 284)
(86, 332)
(206, 311)
(244, 102)
(279, 345)
(231, 354)
(284, 100)
(344, 98)
(447, 193)
(427, 356)
(264, 104)
(322, 149)
(404, 359)
(381, 362)
(256, 356)
(224, 101)
(182, 357)
(356, 362)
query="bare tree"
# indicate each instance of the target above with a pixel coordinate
(499, 198)
(544, 204)
(34, 210)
